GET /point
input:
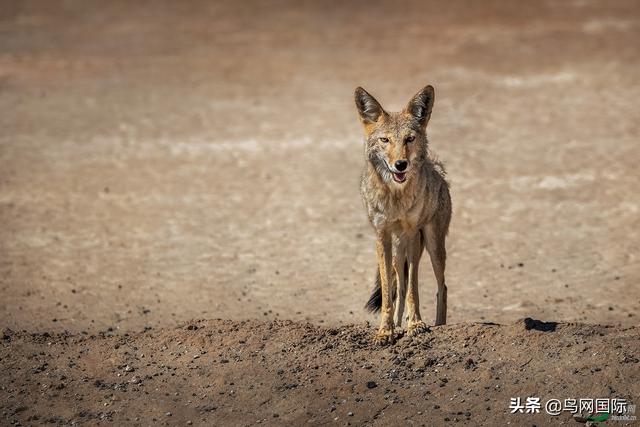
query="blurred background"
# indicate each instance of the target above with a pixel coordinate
(164, 161)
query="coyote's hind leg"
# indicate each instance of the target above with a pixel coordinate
(438, 254)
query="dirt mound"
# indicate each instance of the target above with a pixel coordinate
(285, 373)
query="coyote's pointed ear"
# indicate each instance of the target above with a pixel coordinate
(421, 105)
(369, 109)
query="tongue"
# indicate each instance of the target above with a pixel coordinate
(399, 176)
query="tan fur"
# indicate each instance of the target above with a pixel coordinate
(406, 216)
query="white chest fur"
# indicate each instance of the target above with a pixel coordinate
(400, 215)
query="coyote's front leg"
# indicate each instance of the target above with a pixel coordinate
(383, 249)
(415, 325)
(398, 263)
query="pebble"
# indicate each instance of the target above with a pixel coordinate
(371, 384)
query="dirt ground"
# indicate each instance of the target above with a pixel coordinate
(168, 161)
(284, 373)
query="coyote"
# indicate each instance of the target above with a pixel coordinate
(409, 206)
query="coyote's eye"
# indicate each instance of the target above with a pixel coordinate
(383, 139)
(410, 138)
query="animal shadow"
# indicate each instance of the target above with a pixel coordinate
(539, 325)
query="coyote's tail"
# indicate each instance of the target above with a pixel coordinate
(375, 300)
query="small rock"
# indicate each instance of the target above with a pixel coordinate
(371, 384)
(529, 323)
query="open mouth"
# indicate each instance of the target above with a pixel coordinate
(399, 176)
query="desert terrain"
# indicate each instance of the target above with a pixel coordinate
(174, 164)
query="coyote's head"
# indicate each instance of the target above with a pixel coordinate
(396, 142)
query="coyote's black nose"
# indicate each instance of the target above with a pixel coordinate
(401, 165)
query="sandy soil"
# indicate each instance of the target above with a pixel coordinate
(285, 373)
(168, 161)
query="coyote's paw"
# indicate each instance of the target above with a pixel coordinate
(415, 328)
(384, 337)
